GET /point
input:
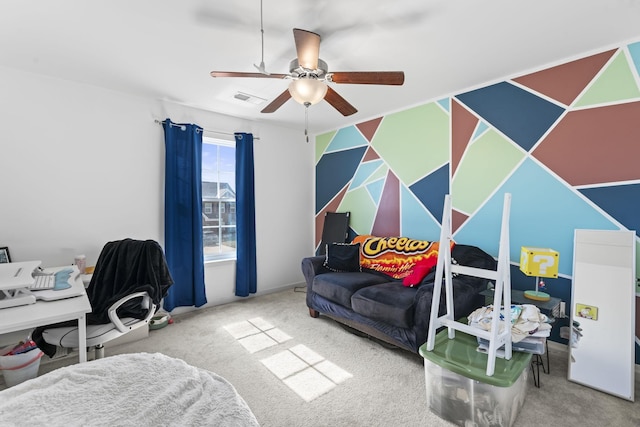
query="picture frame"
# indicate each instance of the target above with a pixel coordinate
(4, 255)
(585, 311)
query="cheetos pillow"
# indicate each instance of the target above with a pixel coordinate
(398, 257)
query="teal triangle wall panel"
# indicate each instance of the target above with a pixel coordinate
(634, 50)
(349, 137)
(364, 172)
(547, 215)
(416, 222)
(375, 190)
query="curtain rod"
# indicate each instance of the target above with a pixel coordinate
(204, 130)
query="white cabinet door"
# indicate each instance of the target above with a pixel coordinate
(602, 354)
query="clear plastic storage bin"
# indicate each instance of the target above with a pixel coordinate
(458, 389)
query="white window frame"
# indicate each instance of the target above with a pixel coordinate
(230, 255)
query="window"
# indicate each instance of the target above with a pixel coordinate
(218, 199)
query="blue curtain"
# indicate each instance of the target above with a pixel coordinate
(246, 276)
(183, 214)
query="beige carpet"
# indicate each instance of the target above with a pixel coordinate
(300, 371)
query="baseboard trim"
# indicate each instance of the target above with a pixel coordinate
(233, 298)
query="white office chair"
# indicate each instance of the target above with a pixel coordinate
(129, 281)
(98, 335)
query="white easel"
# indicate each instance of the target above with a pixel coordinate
(502, 278)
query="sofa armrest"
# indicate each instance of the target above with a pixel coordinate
(311, 267)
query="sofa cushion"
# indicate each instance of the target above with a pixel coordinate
(390, 302)
(338, 287)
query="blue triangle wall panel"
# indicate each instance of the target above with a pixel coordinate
(519, 114)
(622, 202)
(333, 172)
(431, 190)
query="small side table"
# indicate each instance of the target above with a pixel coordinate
(549, 308)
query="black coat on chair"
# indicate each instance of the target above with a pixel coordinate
(123, 268)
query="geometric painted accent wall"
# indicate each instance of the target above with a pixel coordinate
(564, 141)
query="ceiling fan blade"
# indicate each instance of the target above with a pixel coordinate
(277, 103)
(307, 47)
(238, 74)
(368, 77)
(339, 103)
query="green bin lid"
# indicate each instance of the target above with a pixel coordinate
(460, 355)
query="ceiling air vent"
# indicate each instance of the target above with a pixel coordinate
(256, 100)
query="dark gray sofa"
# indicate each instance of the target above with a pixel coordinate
(381, 307)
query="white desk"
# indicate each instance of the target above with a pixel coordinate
(45, 312)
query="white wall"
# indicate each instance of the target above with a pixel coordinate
(81, 165)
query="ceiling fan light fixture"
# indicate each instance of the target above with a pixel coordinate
(307, 90)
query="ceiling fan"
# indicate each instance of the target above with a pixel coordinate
(309, 76)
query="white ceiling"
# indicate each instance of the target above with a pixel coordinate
(165, 49)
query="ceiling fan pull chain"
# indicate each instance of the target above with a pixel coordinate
(306, 121)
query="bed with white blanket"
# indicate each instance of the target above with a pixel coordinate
(139, 389)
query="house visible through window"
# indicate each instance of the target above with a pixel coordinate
(218, 198)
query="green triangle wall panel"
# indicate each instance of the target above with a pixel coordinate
(480, 129)
(566, 81)
(363, 210)
(322, 142)
(414, 142)
(615, 83)
(487, 163)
